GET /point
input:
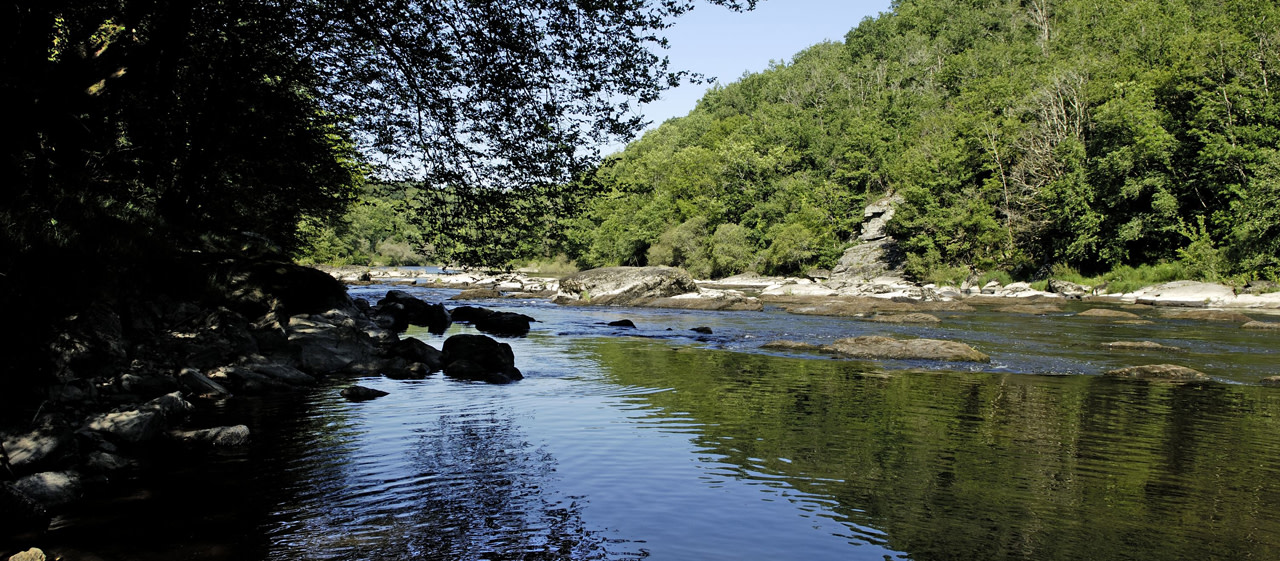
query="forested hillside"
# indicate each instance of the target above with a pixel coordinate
(1020, 135)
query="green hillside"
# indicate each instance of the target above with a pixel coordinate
(1021, 135)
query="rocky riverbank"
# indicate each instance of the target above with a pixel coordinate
(129, 374)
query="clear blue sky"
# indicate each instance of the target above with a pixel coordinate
(719, 43)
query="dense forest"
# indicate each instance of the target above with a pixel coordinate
(1020, 135)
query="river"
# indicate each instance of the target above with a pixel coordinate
(662, 443)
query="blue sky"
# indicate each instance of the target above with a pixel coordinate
(717, 42)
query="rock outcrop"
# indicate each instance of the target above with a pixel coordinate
(623, 286)
(1166, 372)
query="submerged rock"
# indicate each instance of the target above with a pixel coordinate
(51, 489)
(702, 329)
(785, 345)
(1208, 315)
(1142, 346)
(361, 393)
(905, 318)
(1170, 372)
(873, 346)
(1261, 325)
(1107, 314)
(622, 323)
(1273, 381)
(1035, 310)
(237, 435)
(143, 423)
(477, 294)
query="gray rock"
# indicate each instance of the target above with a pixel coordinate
(1068, 289)
(621, 286)
(1261, 325)
(1169, 372)
(407, 310)
(105, 462)
(195, 382)
(245, 380)
(51, 488)
(281, 372)
(872, 346)
(42, 447)
(324, 345)
(905, 318)
(1107, 314)
(1141, 346)
(143, 423)
(790, 346)
(361, 393)
(237, 435)
(1273, 381)
(478, 357)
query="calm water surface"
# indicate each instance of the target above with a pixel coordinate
(665, 444)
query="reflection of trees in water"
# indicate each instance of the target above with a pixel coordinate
(471, 487)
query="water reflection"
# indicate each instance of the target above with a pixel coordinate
(962, 466)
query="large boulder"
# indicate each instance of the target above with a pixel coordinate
(404, 310)
(1167, 372)
(51, 488)
(417, 351)
(493, 322)
(142, 423)
(328, 343)
(874, 346)
(623, 286)
(254, 288)
(40, 448)
(479, 357)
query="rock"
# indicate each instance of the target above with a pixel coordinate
(196, 383)
(1037, 310)
(1260, 287)
(487, 360)
(790, 346)
(622, 323)
(1273, 381)
(1261, 325)
(1107, 313)
(504, 324)
(407, 310)
(905, 318)
(237, 435)
(255, 288)
(468, 314)
(325, 345)
(51, 489)
(148, 386)
(707, 299)
(101, 461)
(143, 423)
(1141, 346)
(991, 287)
(1185, 293)
(621, 286)
(479, 294)
(1134, 322)
(702, 329)
(1068, 289)
(416, 351)
(871, 346)
(280, 372)
(818, 274)
(1208, 315)
(33, 554)
(247, 381)
(19, 512)
(40, 448)
(1170, 372)
(361, 393)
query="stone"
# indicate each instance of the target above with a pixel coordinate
(361, 393)
(247, 381)
(1273, 381)
(1035, 310)
(1261, 325)
(417, 351)
(905, 318)
(1107, 314)
(1208, 315)
(706, 299)
(790, 346)
(1169, 372)
(52, 489)
(702, 329)
(479, 294)
(281, 372)
(1068, 289)
(408, 310)
(1141, 346)
(323, 346)
(101, 461)
(873, 346)
(622, 323)
(991, 287)
(196, 383)
(237, 435)
(504, 324)
(621, 286)
(489, 360)
(142, 423)
(33, 554)
(1185, 293)
(254, 288)
(39, 448)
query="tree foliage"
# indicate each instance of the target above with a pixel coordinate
(1019, 135)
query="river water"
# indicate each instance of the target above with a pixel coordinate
(662, 443)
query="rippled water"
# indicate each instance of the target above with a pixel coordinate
(667, 444)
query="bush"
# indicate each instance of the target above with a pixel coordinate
(731, 250)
